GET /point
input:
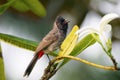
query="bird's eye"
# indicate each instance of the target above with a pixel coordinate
(62, 21)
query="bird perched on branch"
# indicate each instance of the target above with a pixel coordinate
(50, 42)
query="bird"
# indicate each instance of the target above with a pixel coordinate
(50, 42)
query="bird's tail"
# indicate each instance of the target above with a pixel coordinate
(32, 63)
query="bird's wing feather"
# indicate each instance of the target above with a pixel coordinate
(47, 40)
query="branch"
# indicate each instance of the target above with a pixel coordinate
(52, 68)
(89, 63)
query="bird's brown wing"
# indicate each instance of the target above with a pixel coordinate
(47, 40)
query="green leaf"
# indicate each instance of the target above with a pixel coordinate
(2, 74)
(36, 7)
(19, 5)
(24, 5)
(82, 45)
(4, 7)
(20, 42)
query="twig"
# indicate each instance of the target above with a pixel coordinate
(52, 67)
(90, 63)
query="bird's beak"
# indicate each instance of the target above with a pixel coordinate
(66, 21)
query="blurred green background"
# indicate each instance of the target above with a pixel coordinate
(29, 25)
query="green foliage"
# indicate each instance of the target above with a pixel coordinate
(2, 74)
(20, 42)
(24, 5)
(20, 6)
(36, 7)
(4, 7)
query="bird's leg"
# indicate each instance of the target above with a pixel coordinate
(48, 57)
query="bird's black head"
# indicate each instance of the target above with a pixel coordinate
(62, 24)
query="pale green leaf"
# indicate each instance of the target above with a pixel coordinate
(69, 42)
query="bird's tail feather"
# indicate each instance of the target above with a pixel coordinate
(30, 66)
(33, 62)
